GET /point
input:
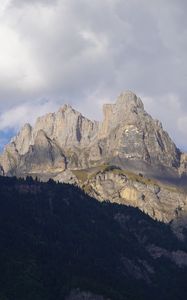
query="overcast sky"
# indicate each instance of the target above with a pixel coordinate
(86, 52)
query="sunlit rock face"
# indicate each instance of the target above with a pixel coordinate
(130, 134)
(160, 201)
(127, 136)
(55, 139)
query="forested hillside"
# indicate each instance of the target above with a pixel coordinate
(54, 239)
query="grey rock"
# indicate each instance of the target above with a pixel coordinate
(161, 201)
(128, 136)
(66, 177)
(132, 135)
(64, 142)
(1, 171)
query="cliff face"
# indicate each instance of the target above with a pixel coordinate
(128, 137)
(51, 145)
(161, 201)
(66, 146)
(134, 139)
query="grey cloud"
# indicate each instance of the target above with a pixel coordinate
(83, 52)
(18, 3)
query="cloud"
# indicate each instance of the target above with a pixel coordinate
(17, 116)
(18, 3)
(168, 108)
(5, 137)
(17, 69)
(87, 52)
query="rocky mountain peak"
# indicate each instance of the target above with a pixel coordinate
(117, 159)
(127, 109)
(128, 100)
(67, 108)
(127, 136)
(23, 139)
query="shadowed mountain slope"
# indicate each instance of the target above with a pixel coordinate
(58, 243)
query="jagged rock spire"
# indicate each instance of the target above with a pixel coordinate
(127, 135)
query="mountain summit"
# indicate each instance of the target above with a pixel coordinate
(111, 160)
(127, 136)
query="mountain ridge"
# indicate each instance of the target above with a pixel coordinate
(127, 135)
(97, 156)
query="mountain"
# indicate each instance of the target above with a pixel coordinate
(127, 136)
(58, 243)
(127, 158)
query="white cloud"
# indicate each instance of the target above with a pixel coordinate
(25, 113)
(4, 6)
(89, 51)
(182, 125)
(92, 106)
(17, 68)
(168, 108)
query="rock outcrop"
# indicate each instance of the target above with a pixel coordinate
(65, 146)
(183, 164)
(134, 138)
(127, 137)
(53, 144)
(162, 202)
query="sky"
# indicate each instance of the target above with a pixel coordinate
(86, 53)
